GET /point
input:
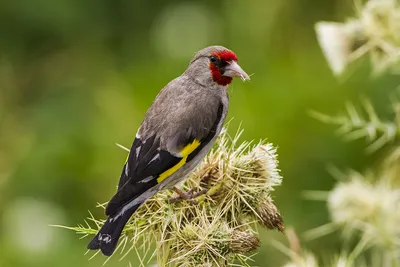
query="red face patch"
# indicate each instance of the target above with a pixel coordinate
(224, 57)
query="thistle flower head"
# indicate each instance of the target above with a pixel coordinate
(260, 167)
(373, 208)
(338, 41)
(376, 31)
(202, 240)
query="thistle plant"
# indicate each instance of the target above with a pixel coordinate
(366, 207)
(234, 184)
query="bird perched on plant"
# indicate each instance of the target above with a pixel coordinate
(178, 130)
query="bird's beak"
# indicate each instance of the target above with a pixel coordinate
(234, 70)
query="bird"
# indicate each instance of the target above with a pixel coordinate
(177, 132)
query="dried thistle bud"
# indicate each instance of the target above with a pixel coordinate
(243, 241)
(269, 214)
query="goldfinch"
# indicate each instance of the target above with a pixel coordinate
(177, 132)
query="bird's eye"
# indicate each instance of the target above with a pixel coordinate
(213, 59)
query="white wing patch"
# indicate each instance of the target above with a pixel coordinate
(137, 151)
(157, 156)
(105, 238)
(146, 180)
(126, 169)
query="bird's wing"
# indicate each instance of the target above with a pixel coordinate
(150, 162)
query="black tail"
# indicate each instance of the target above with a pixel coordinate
(108, 236)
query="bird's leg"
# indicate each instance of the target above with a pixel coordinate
(201, 192)
(182, 195)
(190, 192)
(188, 195)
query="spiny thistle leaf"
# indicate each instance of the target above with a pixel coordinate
(356, 125)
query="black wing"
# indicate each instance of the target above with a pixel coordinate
(146, 162)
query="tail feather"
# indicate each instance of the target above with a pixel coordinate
(108, 236)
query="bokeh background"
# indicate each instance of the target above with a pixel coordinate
(77, 76)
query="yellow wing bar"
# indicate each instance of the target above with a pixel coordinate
(184, 153)
(189, 148)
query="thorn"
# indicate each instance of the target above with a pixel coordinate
(121, 146)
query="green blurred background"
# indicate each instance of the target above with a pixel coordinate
(77, 76)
